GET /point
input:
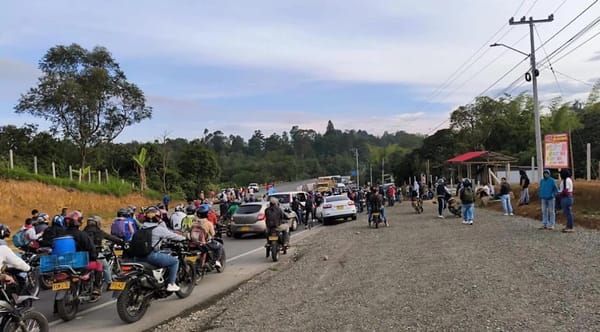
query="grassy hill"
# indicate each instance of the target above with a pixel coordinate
(18, 198)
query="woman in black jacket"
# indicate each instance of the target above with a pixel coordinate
(97, 234)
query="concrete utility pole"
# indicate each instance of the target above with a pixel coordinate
(533, 76)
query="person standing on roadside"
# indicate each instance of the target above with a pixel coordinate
(166, 200)
(467, 201)
(566, 199)
(441, 191)
(524, 183)
(505, 197)
(547, 192)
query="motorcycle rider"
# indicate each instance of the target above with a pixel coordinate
(41, 224)
(8, 257)
(95, 232)
(274, 220)
(208, 233)
(83, 242)
(30, 235)
(177, 217)
(153, 220)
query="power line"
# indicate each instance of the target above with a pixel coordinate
(549, 64)
(578, 46)
(574, 79)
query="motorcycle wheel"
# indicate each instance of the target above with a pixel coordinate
(32, 282)
(186, 276)
(131, 305)
(268, 249)
(45, 281)
(30, 321)
(67, 307)
(222, 260)
(274, 251)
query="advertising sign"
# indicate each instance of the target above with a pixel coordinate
(556, 151)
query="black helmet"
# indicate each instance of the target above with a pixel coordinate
(190, 210)
(202, 211)
(123, 213)
(4, 231)
(152, 215)
(94, 220)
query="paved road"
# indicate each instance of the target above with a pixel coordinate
(245, 259)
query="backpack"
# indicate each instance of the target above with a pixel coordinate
(141, 243)
(467, 195)
(20, 240)
(117, 228)
(186, 223)
(197, 234)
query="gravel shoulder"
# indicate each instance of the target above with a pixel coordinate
(421, 273)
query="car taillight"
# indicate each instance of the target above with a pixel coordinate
(62, 276)
(126, 268)
(327, 206)
(350, 202)
(261, 216)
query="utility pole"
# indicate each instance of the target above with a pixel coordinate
(382, 167)
(533, 76)
(357, 173)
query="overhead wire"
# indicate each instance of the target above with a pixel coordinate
(549, 63)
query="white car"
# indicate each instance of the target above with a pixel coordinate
(253, 187)
(336, 207)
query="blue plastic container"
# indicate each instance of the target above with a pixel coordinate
(63, 245)
(75, 260)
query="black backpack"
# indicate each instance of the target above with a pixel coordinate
(141, 243)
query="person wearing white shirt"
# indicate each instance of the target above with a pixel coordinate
(566, 199)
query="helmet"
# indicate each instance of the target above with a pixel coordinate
(202, 211)
(152, 215)
(440, 181)
(123, 213)
(179, 208)
(132, 208)
(4, 231)
(94, 220)
(190, 210)
(466, 182)
(274, 201)
(43, 218)
(74, 219)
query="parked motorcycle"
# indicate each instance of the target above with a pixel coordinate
(204, 261)
(73, 287)
(16, 313)
(275, 245)
(141, 282)
(454, 206)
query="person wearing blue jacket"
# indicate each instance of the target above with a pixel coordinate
(548, 191)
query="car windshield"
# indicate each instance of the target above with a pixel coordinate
(283, 198)
(336, 198)
(248, 209)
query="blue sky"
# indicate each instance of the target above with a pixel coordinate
(238, 66)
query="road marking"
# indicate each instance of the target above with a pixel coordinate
(106, 304)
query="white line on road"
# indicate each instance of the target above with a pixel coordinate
(106, 304)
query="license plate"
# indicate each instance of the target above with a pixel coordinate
(245, 229)
(56, 286)
(340, 207)
(191, 258)
(273, 238)
(118, 252)
(117, 285)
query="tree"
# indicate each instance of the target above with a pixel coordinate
(85, 95)
(142, 161)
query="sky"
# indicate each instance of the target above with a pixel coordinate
(239, 66)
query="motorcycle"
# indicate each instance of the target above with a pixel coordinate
(275, 244)
(16, 313)
(73, 287)
(37, 280)
(376, 219)
(204, 261)
(454, 206)
(141, 282)
(417, 204)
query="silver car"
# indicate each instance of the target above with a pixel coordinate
(250, 218)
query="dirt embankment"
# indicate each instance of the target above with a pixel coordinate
(20, 197)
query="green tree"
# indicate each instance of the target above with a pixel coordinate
(85, 95)
(142, 160)
(199, 168)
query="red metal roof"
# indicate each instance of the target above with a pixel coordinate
(467, 156)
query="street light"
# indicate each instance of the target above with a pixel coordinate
(536, 112)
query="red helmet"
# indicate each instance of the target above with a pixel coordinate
(74, 218)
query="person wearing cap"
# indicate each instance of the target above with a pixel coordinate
(547, 192)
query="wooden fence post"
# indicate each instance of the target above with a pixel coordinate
(70, 172)
(53, 170)
(90, 176)
(80, 174)
(10, 157)
(35, 164)
(106, 172)
(99, 177)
